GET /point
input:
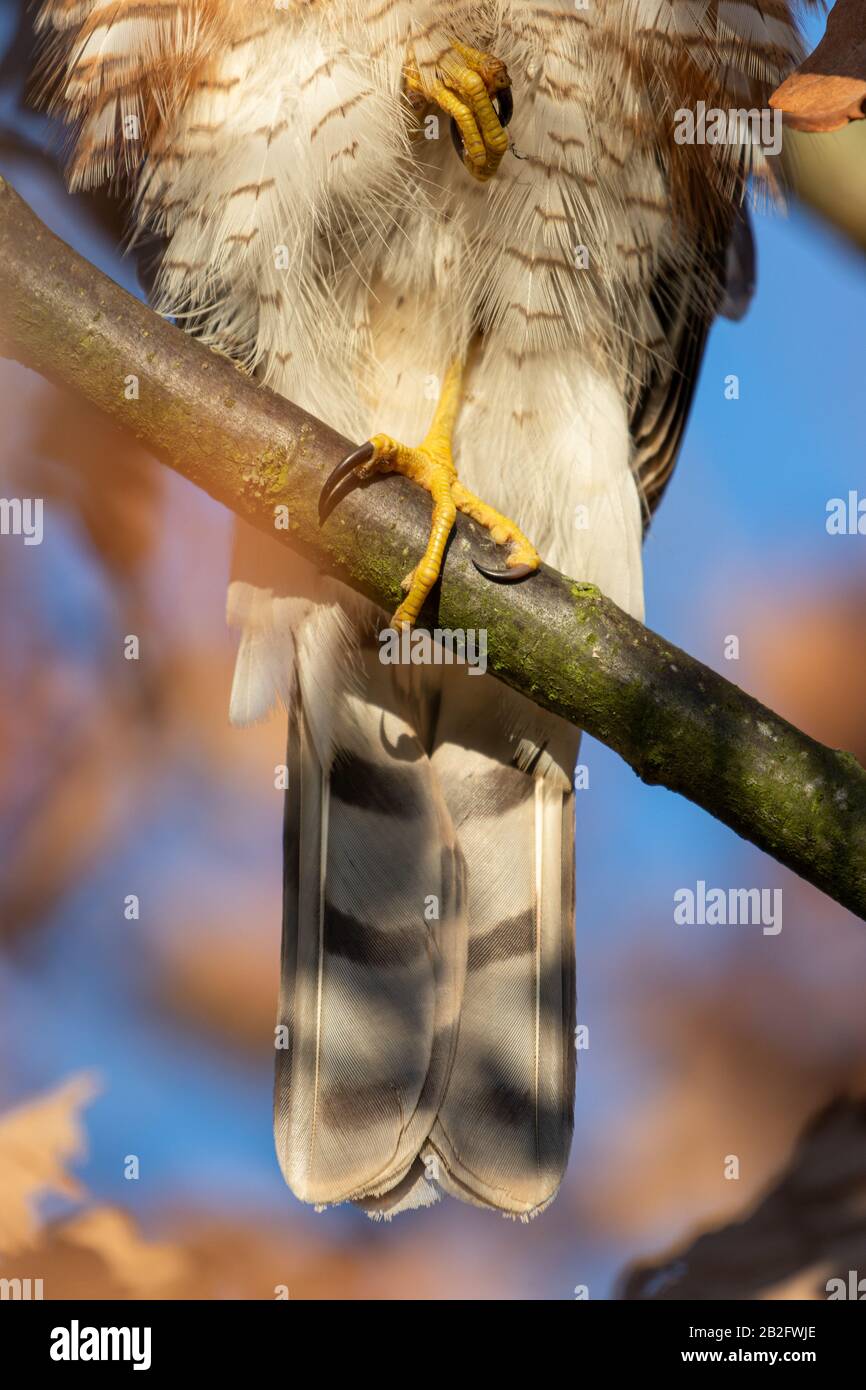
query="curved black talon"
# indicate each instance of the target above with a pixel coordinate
(503, 101)
(506, 576)
(362, 454)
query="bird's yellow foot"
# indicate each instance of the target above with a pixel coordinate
(431, 464)
(465, 83)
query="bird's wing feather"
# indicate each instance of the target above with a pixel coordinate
(687, 295)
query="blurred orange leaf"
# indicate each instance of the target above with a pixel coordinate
(141, 1267)
(37, 1141)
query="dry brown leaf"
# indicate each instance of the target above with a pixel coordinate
(828, 90)
(283, 1260)
(141, 1267)
(37, 1141)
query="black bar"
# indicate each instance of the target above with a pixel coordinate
(254, 1339)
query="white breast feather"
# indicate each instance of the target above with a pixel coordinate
(315, 233)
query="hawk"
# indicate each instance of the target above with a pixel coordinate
(467, 236)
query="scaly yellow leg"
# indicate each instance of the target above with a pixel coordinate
(431, 464)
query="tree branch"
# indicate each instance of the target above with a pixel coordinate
(561, 643)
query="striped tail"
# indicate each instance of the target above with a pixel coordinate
(504, 1129)
(428, 950)
(374, 954)
(426, 1011)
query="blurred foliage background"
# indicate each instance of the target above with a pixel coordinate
(152, 1038)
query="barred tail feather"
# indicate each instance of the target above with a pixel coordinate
(504, 1129)
(374, 949)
